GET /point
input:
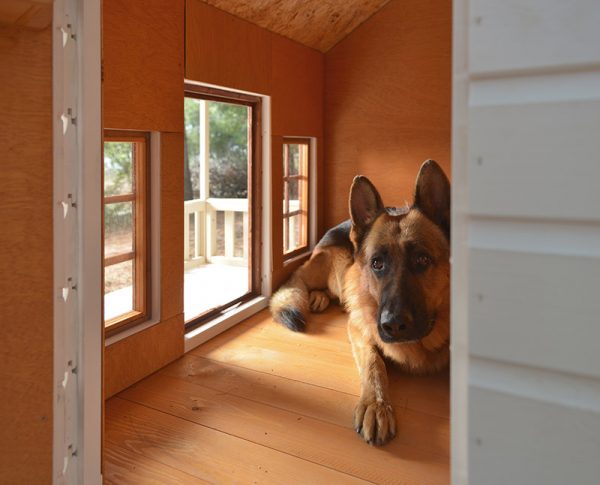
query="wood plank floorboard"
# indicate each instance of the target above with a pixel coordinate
(261, 404)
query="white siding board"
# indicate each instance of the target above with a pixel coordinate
(513, 35)
(535, 309)
(538, 160)
(515, 440)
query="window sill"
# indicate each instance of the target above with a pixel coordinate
(198, 336)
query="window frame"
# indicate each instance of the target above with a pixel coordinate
(141, 253)
(305, 208)
(255, 143)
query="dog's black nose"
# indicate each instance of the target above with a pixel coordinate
(391, 324)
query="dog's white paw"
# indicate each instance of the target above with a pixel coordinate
(318, 301)
(374, 420)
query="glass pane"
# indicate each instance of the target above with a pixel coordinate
(191, 235)
(118, 289)
(294, 194)
(220, 249)
(217, 144)
(238, 247)
(228, 164)
(293, 159)
(191, 170)
(294, 228)
(118, 228)
(118, 168)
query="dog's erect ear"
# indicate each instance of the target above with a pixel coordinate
(365, 204)
(432, 195)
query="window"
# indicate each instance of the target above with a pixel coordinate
(296, 162)
(221, 181)
(126, 228)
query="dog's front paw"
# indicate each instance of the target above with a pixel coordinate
(318, 301)
(374, 420)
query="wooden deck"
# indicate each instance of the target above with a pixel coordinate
(260, 404)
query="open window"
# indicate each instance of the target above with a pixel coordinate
(296, 163)
(221, 221)
(126, 229)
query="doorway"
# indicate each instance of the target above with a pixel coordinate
(221, 222)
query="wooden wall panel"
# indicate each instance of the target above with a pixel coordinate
(544, 442)
(538, 325)
(26, 295)
(231, 53)
(143, 57)
(133, 358)
(511, 152)
(226, 51)
(171, 231)
(387, 102)
(544, 34)
(297, 79)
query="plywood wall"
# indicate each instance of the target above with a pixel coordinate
(387, 101)
(229, 52)
(143, 58)
(26, 297)
(142, 68)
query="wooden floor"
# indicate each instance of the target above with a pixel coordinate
(260, 404)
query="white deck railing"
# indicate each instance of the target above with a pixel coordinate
(204, 242)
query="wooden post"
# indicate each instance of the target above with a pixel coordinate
(186, 235)
(229, 233)
(245, 235)
(206, 222)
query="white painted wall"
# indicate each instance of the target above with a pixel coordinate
(526, 242)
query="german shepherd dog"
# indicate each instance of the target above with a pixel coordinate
(390, 268)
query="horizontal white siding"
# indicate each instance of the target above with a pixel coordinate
(536, 160)
(518, 440)
(509, 35)
(536, 309)
(529, 245)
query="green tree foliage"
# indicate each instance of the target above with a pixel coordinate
(118, 179)
(228, 149)
(118, 160)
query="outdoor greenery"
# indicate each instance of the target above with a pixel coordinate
(118, 179)
(228, 150)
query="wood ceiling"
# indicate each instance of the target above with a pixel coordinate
(319, 24)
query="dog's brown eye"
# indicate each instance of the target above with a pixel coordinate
(422, 261)
(377, 264)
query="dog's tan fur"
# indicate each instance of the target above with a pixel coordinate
(337, 270)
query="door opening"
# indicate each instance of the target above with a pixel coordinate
(221, 218)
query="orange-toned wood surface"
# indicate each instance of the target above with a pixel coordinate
(143, 57)
(32, 14)
(26, 281)
(171, 225)
(262, 404)
(226, 51)
(387, 101)
(133, 358)
(222, 49)
(297, 78)
(319, 24)
(143, 61)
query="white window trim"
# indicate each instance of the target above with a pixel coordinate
(76, 87)
(196, 337)
(312, 200)
(154, 316)
(459, 361)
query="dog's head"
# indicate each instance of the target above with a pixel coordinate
(404, 254)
